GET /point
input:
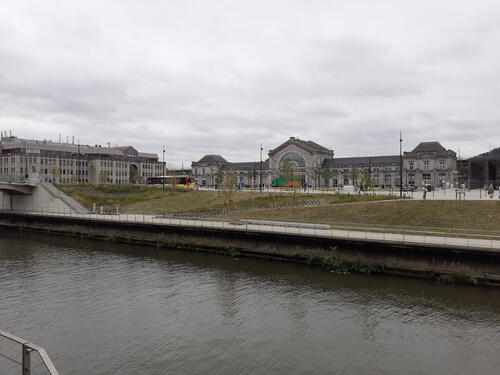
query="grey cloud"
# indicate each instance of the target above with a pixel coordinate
(127, 76)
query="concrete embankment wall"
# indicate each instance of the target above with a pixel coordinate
(455, 264)
(40, 200)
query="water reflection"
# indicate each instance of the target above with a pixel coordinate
(103, 308)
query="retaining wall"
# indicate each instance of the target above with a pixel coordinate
(472, 265)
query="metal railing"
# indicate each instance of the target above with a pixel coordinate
(402, 235)
(72, 203)
(27, 348)
(12, 178)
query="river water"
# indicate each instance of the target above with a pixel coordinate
(101, 308)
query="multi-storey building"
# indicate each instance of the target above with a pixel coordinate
(71, 163)
(482, 170)
(429, 162)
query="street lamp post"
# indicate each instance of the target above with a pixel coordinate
(400, 165)
(163, 173)
(78, 164)
(260, 181)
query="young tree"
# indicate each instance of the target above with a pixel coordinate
(219, 179)
(54, 171)
(326, 173)
(103, 177)
(367, 180)
(316, 175)
(288, 173)
(229, 183)
(354, 177)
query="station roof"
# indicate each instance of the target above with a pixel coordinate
(212, 159)
(429, 147)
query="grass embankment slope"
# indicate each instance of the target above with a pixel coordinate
(478, 215)
(146, 199)
(327, 208)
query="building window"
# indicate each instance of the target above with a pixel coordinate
(426, 165)
(441, 165)
(412, 164)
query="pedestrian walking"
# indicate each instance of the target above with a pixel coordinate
(490, 191)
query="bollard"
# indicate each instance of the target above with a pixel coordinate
(26, 360)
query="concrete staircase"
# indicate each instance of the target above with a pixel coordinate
(56, 193)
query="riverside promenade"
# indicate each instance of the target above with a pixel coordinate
(438, 194)
(426, 237)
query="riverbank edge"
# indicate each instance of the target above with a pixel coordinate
(461, 266)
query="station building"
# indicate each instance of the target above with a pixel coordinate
(72, 163)
(427, 163)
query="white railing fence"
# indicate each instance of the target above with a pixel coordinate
(393, 234)
(24, 358)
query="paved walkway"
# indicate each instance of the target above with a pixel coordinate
(466, 241)
(439, 194)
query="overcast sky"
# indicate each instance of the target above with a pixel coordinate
(218, 76)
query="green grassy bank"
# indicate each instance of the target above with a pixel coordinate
(145, 199)
(317, 208)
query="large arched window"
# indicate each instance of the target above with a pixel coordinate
(295, 160)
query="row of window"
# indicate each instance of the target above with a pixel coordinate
(411, 164)
(110, 164)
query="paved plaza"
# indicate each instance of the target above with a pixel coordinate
(438, 194)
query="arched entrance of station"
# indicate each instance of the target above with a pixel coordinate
(296, 162)
(134, 175)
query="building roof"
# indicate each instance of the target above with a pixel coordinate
(9, 143)
(212, 159)
(362, 160)
(126, 150)
(307, 145)
(492, 155)
(429, 147)
(316, 146)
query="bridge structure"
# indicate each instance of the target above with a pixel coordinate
(35, 192)
(15, 186)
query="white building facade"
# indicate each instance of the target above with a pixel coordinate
(71, 163)
(429, 162)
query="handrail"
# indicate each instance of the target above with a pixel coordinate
(468, 240)
(78, 207)
(27, 348)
